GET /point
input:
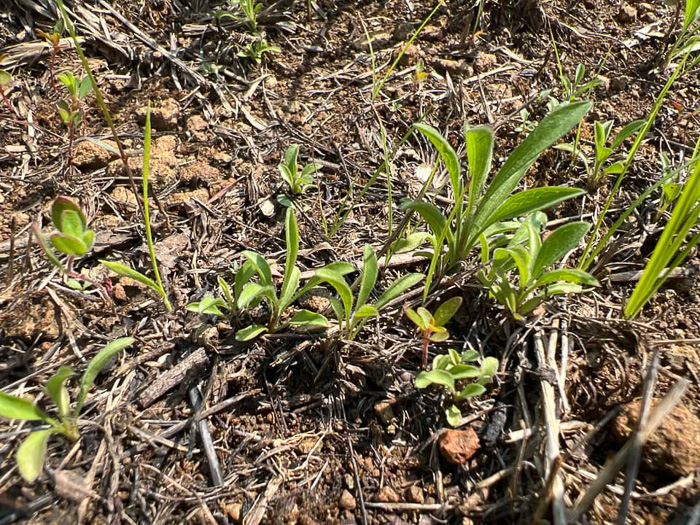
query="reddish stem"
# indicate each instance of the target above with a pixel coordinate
(426, 341)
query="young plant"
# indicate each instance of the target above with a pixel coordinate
(71, 111)
(72, 239)
(32, 451)
(451, 371)
(353, 312)
(432, 327)
(212, 305)
(250, 9)
(298, 181)
(602, 152)
(532, 258)
(670, 251)
(688, 41)
(479, 205)
(256, 49)
(120, 269)
(251, 293)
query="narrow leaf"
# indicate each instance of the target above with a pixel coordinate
(370, 270)
(132, 274)
(13, 407)
(31, 454)
(560, 242)
(57, 391)
(399, 286)
(250, 332)
(96, 365)
(479, 154)
(430, 214)
(448, 154)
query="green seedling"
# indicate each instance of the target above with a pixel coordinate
(670, 191)
(352, 312)
(256, 49)
(597, 243)
(532, 258)
(432, 327)
(478, 205)
(298, 181)
(672, 248)
(602, 152)
(72, 239)
(32, 451)
(451, 371)
(688, 40)
(120, 269)
(71, 111)
(250, 9)
(251, 294)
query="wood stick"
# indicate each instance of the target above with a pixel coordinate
(173, 377)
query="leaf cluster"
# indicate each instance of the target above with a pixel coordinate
(530, 258)
(32, 451)
(451, 371)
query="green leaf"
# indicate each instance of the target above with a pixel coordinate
(64, 204)
(528, 201)
(88, 239)
(447, 310)
(68, 244)
(307, 318)
(430, 214)
(96, 365)
(250, 332)
(288, 292)
(58, 392)
(560, 242)
(226, 290)
(615, 168)
(410, 243)
(261, 266)
(290, 281)
(370, 270)
(417, 319)
(71, 223)
(5, 78)
(399, 286)
(439, 336)
(243, 275)
(692, 11)
(254, 291)
(120, 269)
(572, 275)
(464, 371)
(473, 390)
(85, 87)
(426, 316)
(337, 281)
(13, 407)
(441, 362)
(453, 415)
(599, 139)
(479, 154)
(365, 311)
(31, 453)
(435, 377)
(489, 367)
(470, 355)
(552, 128)
(448, 154)
(625, 132)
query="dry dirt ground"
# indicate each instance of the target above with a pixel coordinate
(309, 429)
